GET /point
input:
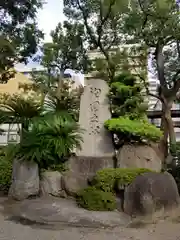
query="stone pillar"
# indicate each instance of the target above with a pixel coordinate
(94, 111)
(97, 149)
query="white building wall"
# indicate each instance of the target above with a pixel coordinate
(10, 134)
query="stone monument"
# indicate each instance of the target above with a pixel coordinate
(94, 111)
(97, 149)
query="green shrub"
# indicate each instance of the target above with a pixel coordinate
(50, 140)
(106, 179)
(96, 200)
(5, 174)
(134, 130)
(6, 160)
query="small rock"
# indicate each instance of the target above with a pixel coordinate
(50, 184)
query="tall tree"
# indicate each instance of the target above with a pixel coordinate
(19, 34)
(156, 24)
(67, 49)
(102, 20)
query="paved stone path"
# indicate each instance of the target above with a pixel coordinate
(13, 230)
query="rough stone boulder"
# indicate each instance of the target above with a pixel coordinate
(51, 184)
(82, 170)
(149, 193)
(139, 156)
(25, 180)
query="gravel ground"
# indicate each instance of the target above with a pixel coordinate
(10, 230)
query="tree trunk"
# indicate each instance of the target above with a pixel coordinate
(168, 125)
(163, 146)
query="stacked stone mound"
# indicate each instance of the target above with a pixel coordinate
(149, 193)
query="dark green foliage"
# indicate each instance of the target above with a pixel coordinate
(20, 35)
(106, 179)
(7, 155)
(67, 49)
(50, 140)
(63, 98)
(126, 97)
(129, 122)
(100, 196)
(133, 130)
(96, 200)
(156, 24)
(5, 174)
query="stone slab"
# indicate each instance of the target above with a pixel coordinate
(54, 211)
(94, 111)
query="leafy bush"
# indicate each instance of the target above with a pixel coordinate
(6, 160)
(96, 199)
(107, 178)
(125, 96)
(133, 130)
(5, 174)
(129, 119)
(50, 140)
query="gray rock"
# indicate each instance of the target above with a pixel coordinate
(51, 184)
(54, 211)
(119, 204)
(139, 156)
(150, 192)
(25, 180)
(82, 170)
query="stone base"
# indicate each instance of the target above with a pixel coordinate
(57, 213)
(81, 170)
(139, 156)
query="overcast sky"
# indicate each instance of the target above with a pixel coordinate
(48, 18)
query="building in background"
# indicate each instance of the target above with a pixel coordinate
(10, 134)
(23, 76)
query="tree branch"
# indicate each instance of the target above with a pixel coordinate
(104, 20)
(85, 18)
(176, 86)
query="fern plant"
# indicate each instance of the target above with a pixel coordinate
(17, 109)
(50, 140)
